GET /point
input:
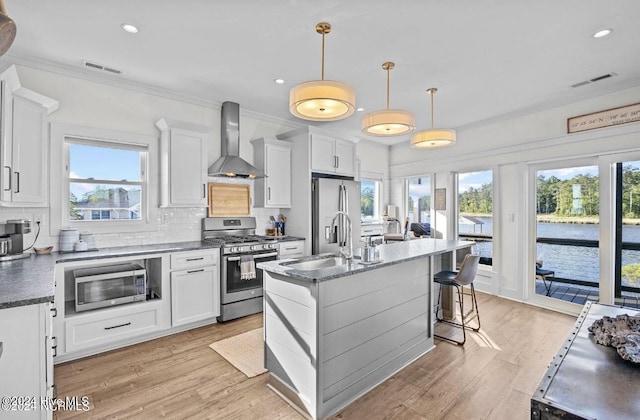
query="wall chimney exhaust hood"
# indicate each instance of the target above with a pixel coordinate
(230, 164)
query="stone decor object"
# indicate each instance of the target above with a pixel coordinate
(621, 332)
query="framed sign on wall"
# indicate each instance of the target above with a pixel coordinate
(607, 118)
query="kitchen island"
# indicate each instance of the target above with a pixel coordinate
(333, 333)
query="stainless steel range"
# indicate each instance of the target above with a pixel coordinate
(240, 281)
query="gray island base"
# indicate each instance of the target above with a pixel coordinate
(333, 334)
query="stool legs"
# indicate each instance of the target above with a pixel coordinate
(465, 318)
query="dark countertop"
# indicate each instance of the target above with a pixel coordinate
(393, 253)
(31, 280)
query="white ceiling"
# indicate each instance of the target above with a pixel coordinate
(489, 59)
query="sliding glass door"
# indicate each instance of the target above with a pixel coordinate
(627, 235)
(567, 264)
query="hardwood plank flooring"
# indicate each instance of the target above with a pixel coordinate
(180, 377)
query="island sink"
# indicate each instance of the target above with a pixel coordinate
(327, 261)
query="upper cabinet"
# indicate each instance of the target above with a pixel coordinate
(24, 116)
(183, 164)
(273, 157)
(332, 155)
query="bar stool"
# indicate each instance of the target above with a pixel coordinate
(459, 279)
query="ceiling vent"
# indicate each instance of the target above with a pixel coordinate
(595, 79)
(95, 66)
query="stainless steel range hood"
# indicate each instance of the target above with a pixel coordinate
(230, 164)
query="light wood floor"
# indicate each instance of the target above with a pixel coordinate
(177, 377)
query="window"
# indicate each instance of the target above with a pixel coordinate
(475, 206)
(99, 180)
(419, 200)
(105, 181)
(370, 200)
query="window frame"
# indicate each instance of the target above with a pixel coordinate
(61, 136)
(142, 182)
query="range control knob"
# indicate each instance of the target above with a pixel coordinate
(252, 247)
(234, 249)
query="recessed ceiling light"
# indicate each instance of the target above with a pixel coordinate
(129, 28)
(360, 109)
(602, 33)
(279, 81)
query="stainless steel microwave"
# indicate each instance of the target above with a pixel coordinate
(111, 285)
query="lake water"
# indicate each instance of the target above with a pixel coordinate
(570, 262)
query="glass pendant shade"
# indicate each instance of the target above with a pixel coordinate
(433, 137)
(322, 100)
(388, 122)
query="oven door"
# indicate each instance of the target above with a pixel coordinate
(234, 288)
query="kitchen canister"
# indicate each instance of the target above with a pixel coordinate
(68, 238)
(89, 239)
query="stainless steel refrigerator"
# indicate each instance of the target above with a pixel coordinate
(328, 196)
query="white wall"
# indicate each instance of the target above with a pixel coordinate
(511, 146)
(114, 107)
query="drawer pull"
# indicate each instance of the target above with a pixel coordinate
(117, 326)
(195, 259)
(291, 247)
(195, 271)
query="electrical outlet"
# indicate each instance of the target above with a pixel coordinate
(164, 218)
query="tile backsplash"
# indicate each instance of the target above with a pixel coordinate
(174, 225)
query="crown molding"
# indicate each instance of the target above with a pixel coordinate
(117, 81)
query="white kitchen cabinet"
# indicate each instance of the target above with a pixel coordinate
(291, 249)
(183, 164)
(273, 157)
(23, 142)
(332, 155)
(26, 361)
(195, 286)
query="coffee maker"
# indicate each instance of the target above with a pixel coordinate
(11, 242)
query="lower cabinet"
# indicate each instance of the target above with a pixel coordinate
(110, 325)
(195, 288)
(291, 249)
(26, 362)
(183, 289)
(194, 295)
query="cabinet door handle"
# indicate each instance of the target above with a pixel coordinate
(195, 259)
(204, 190)
(195, 271)
(337, 161)
(268, 193)
(1, 349)
(17, 181)
(55, 312)
(10, 174)
(55, 346)
(117, 326)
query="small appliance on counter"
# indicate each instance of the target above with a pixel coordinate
(11, 242)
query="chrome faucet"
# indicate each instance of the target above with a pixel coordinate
(343, 254)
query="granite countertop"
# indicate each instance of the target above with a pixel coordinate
(393, 253)
(31, 280)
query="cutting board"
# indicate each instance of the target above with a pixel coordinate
(229, 200)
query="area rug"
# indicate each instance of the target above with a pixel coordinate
(244, 351)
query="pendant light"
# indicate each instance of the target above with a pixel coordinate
(322, 100)
(388, 122)
(434, 137)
